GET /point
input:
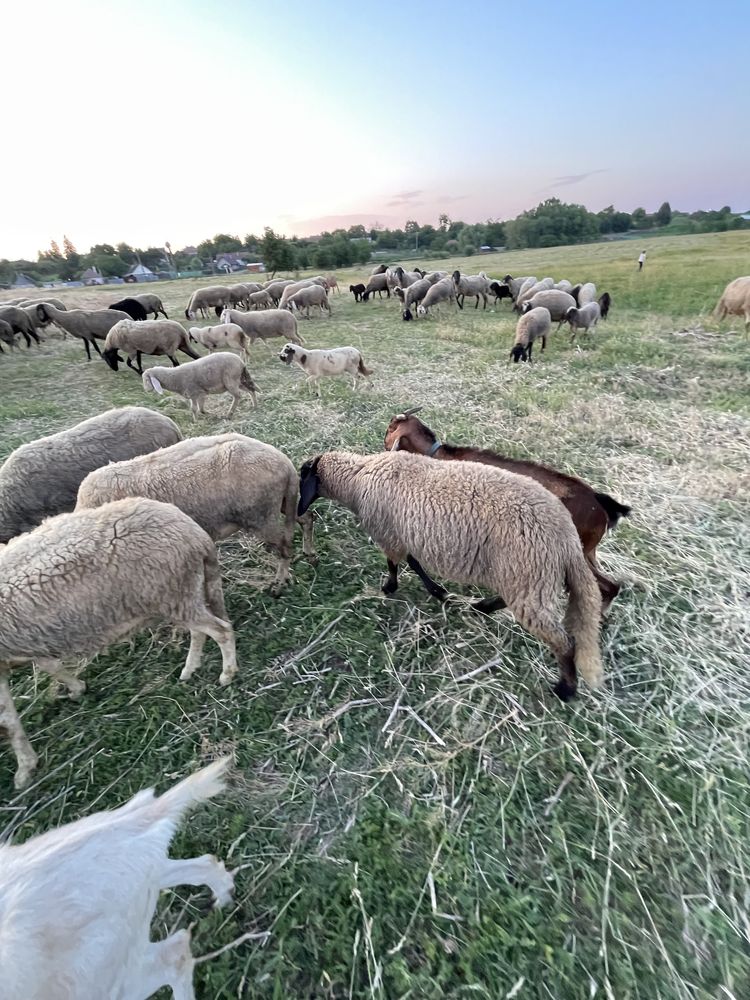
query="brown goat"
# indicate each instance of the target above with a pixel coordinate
(592, 513)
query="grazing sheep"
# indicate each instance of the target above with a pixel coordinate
(500, 290)
(20, 322)
(88, 326)
(563, 285)
(478, 525)
(152, 336)
(377, 283)
(313, 295)
(264, 325)
(412, 296)
(151, 303)
(593, 513)
(335, 361)
(260, 300)
(379, 269)
(516, 285)
(556, 301)
(586, 294)
(135, 309)
(237, 295)
(25, 303)
(215, 337)
(226, 483)
(529, 291)
(332, 284)
(7, 335)
(203, 299)
(357, 291)
(82, 581)
(41, 478)
(276, 288)
(735, 301)
(91, 887)
(196, 380)
(289, 290)
(434, 276)
(471, 285)
(584, 318)
(403, 279)
(605, 304)
(533, 325)
(442, 291)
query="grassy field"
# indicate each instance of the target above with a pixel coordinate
(484, 839)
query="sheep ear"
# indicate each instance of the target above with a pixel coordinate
(309, 484)
(156, 384)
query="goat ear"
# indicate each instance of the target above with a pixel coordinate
(396, 444)
(309, 485)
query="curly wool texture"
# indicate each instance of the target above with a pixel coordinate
(41, 478)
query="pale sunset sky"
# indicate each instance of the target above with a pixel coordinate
(155, 121)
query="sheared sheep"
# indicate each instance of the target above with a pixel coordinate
(41, 478)
(605, 304)
(86, 325)
(556, 301)
(403, 279)
(91, 887)
(735, 301)
(226, 483)
(81, 581)
(203, 299)
(20, 322)
(335, 361)
(264, 325)
(593, 513)
(313, 295)
(584, 318)
(442, 291)
(478, 525)
(533, 325)
(357, 291)
(151, 303)
(152, 336)
(471, 285)
(215, 337)
(135, 309)
(377, 283)
(196, 380)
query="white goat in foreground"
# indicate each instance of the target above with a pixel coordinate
(76, 903)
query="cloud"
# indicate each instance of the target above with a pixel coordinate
(449, 199)
(567, 179)
(405, 198)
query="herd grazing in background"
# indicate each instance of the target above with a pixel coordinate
(111, 525)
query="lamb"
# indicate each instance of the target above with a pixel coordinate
(556, 301)
(533, 325)
(735, 301)
(91, 888)
(260, 300)
(203, 299)
(442, 291)
(473, 285)
(332, 284)
(20, 322)
(377, 283)
(41, 478)
(528, 292)
(314, 295)
(605, 304)
(358, 292)
(478, 525)
(151, 303)
(264, 325)
(196, 380)
(586, 294)
(215, 337)
(413, 295)
(593, 513)
(335, 361)
(82, 581)
(7, 335)
(226, 483)
(87, 326)
(500, 290)
(152, 336)
(295, 286)
(135, 309)
(584, 318)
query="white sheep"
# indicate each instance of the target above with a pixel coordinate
(335, 361)
(533, 325)
(296, 286)
(150, 336)
(442, 291)
(586, 294)
(584, 318)
(199, 379)
(304, 298)
(264, 325)
(210, 297)
(735, 301)
(474, 285)
(77, 902)
(558, 303)
(529, 291)
(81, 581)
(261, 299)
(214, 338)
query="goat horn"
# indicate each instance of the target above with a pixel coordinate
(414, 409)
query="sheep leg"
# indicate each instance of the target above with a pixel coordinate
(391, 584)
(460, 301)
(476, 305)
(223, 635)
(206, 870)
(167, 963)
(608, 588)
(133, 367)
(432, 588)
(58, 672)
(96, 347)
(85, 344)
(235, 400)
(308, 543)
(489, 604)
(173, 359)
(540, 623)
(26, 759)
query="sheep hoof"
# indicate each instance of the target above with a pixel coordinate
(489, 604)
(389, 587)
(564, 691)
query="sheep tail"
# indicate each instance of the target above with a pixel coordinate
(720, 311)
(187, 349)
(582, 619)
(204, 784)
(362, 369)
(246, 380)
(612, 508)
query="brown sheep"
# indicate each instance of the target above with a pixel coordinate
(735, 301)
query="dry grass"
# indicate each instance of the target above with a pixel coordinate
(414, 814)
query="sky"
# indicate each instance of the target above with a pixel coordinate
(173, 121)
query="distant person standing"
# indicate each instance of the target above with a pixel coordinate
(641, 260)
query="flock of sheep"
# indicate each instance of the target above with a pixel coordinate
(111, 526)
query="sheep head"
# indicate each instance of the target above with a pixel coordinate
(518, 353)
(287, 353)
(309, 485)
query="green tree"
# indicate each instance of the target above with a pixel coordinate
(640, 219)
(7, 273)
(444, 222)
(126, 253)
(223, 243)
(278, 254)
(70, 268)
(664, 215)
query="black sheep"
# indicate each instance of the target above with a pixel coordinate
(132, 307)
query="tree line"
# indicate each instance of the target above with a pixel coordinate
(552, 223)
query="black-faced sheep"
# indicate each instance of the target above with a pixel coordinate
(357, 291)
(152, 336)
(533, 325)
(135, 309)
